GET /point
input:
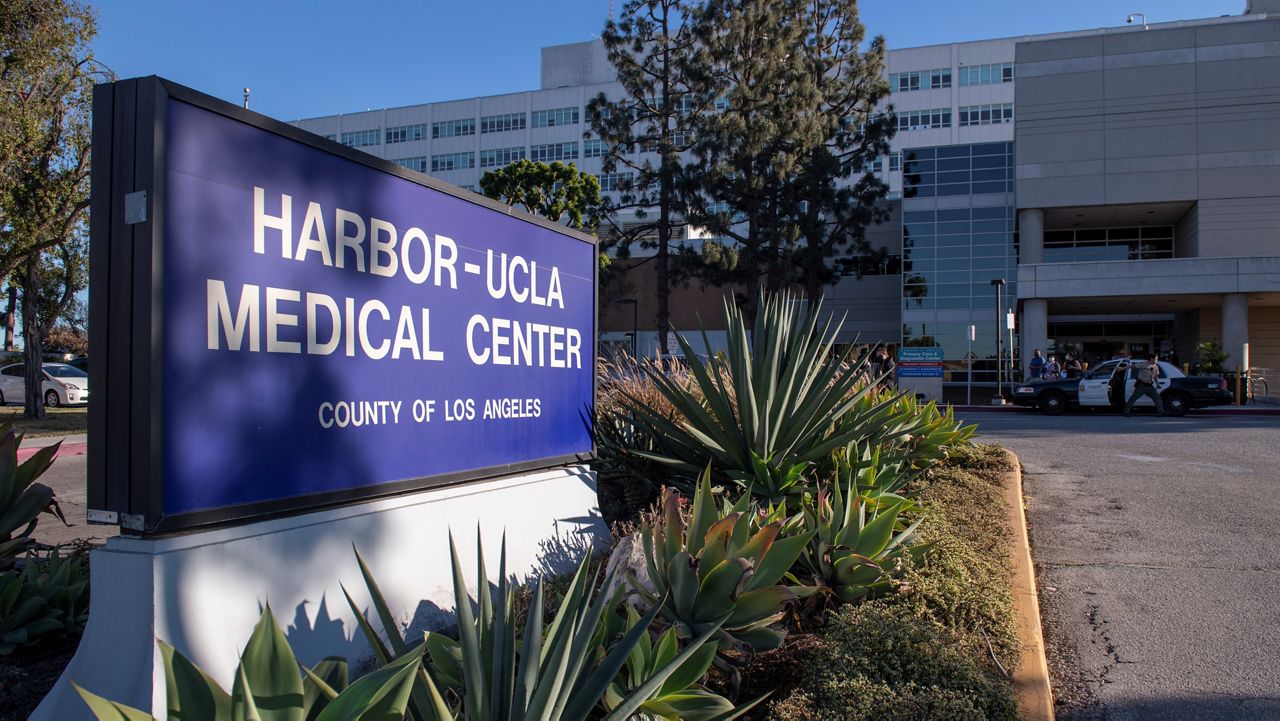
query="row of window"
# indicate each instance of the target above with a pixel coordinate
(453, 128)
(939, 78)
(452, 161)
(362, 138)
(861, 265)
(498, 157)
(986, 114)
(610, 182)
(992, 74)
(924, 119)
(978, 169)
(555, 117)
(406, 133)
(1098, 244)
(459, 128)
(502, 123)
(920, 80)
(552, 152)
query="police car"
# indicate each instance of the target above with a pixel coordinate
(1179, 391)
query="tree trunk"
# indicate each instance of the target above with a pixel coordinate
(33, 346)
(10, 317)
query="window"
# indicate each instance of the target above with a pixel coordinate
(472, 188)
(498, 157)
(406, 133)
(330, 136)
(993, 74)
(554, 117)
(452, 161)
(610, 182)
(895, 161)
(419, 163)
(859, 265)
(924, 119)
(551, 152)
(453, 128)
(594, 148)
(1080, 245)
(920, 80)
(362, 138)
(722, 104)
(986, 114)
(872, 165)
(502, 123)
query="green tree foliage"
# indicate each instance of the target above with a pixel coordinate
(653, 46)
(47, 73)
(557, 191)
(800, 119)
(837, 199)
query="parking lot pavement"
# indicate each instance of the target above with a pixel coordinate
(1157, 560)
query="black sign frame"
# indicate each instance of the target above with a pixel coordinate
(125, 483)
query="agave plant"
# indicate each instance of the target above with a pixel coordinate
(908, 437)
(856, 544)
(49, 596)
(542, 673)
(269, 687)
(774, 402)
(717, 572)
(22, 500)
(681, 696)
(557, 672)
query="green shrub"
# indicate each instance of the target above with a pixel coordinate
(882, 661)
(48, 598)
(22, 500)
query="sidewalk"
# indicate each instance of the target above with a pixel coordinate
(75, 444)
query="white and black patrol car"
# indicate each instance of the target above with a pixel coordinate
(1179, 391)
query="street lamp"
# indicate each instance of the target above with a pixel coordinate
(998, 399)
(635, 321)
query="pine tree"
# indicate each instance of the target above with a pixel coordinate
(779, 162)
(653, 47)
(840, 198)
(749, 152)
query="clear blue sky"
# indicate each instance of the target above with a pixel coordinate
(304, 58)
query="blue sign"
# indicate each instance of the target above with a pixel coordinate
(922, 371)
(911, 354)
(329, 327)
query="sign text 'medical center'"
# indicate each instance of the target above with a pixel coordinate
(296, 321)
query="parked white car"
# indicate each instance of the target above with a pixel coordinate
(63, 384)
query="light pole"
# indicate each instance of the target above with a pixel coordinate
(635, 322)
(998, 399)
(973, 332)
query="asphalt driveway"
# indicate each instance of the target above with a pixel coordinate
(1157, 551)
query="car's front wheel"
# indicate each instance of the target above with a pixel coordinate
(1053, 403)
(1176, 403)
(51, 399)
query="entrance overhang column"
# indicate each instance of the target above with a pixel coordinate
(1235, 328)
(1035, 330)
(1030, 236)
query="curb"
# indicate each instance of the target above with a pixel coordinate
(1031, 677)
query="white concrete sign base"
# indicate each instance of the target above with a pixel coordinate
(203, 591)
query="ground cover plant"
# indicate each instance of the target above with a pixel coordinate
(899, 601)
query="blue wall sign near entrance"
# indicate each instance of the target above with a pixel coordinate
(920, 362)
(313, 325)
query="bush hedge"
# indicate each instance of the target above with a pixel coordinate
(939, 646)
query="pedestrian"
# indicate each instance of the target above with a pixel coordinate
(1036, 365)
(1073, 366)
(1052, 370)
(1146, 382)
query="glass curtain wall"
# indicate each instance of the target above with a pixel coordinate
(958, 236)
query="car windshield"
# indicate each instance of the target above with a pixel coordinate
(61, 371)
